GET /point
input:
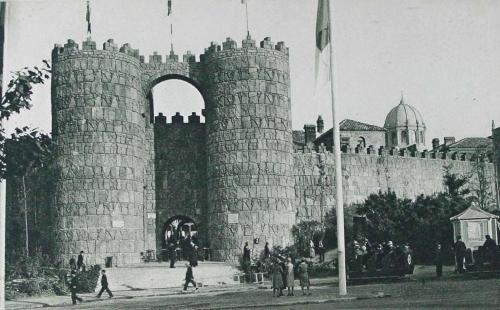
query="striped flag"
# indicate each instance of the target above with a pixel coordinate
(169, 4)
(322, 63)
(89, 28)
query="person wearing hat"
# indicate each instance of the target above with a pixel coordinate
(460, 250)
(73, 284)
(289, 277)
(303, 276)
(277, 278)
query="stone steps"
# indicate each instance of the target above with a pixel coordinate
(159, 275)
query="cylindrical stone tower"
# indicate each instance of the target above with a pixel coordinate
(249, 141)
(98, 129)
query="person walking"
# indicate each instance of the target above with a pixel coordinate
(73, 285)
(438, 261)
(277, 279)
(189, 277)
(290, 279)
(104, 285)
(460, 250)
(304, 276)
(79, 263)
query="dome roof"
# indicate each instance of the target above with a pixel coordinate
(404, 115)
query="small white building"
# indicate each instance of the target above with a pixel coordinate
(473, 225)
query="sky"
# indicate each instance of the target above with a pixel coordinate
(444, 55)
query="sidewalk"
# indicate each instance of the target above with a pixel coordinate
(47, 301)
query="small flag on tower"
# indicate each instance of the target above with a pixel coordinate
(169, 3)
(89, 28)
(243, 1)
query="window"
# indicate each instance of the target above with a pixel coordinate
(422, 137)
(416, 136)
(362, 142)
(394, 138)
(404, 136)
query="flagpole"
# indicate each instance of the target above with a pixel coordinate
(246, 12)
(338, 169)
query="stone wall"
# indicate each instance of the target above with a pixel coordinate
(99, 132)
(364, 174)
(181, 168)
(249, 141)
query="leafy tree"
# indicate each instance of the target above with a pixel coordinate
(26, 150)
(455, 183)
(303, 233)
(481, 187)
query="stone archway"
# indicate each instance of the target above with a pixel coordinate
(170, 76)
(179, 231)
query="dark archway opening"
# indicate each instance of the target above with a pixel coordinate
(180, 232)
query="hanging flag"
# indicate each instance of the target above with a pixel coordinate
(243, 1)
(89, 28)
(169, 7)
(322, 63)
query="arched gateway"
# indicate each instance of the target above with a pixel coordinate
(110, 149)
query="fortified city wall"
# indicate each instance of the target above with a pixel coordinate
(407, 174)
(122, 173)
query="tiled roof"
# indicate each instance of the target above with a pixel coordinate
(472, 143)
(473, 212)
(299, 136)
(351, 125)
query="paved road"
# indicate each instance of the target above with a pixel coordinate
(452, 293)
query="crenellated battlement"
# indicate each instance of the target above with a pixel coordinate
(161, 119)
(248, 43)
(73, 48)
(398, 153)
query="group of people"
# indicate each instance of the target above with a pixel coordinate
(189, 251)
(283, 276)
(77, 267)
(489, 250)
(365, 255)
(281, 271)
(319, 249)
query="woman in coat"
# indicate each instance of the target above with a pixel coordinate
(303, 276)
(277, 279)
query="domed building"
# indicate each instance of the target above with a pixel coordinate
(405, 127)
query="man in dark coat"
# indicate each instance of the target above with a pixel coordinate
(490, 248)
(172, 254)
(438, 261)
(79, 263)
(189, 277)
(460, 250)
(104, 285)
(73, 284)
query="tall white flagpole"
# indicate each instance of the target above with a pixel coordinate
(338, 168)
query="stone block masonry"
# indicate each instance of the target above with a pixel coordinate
(99, 133)
(365, 174)
(122, 176)
(249, 146)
